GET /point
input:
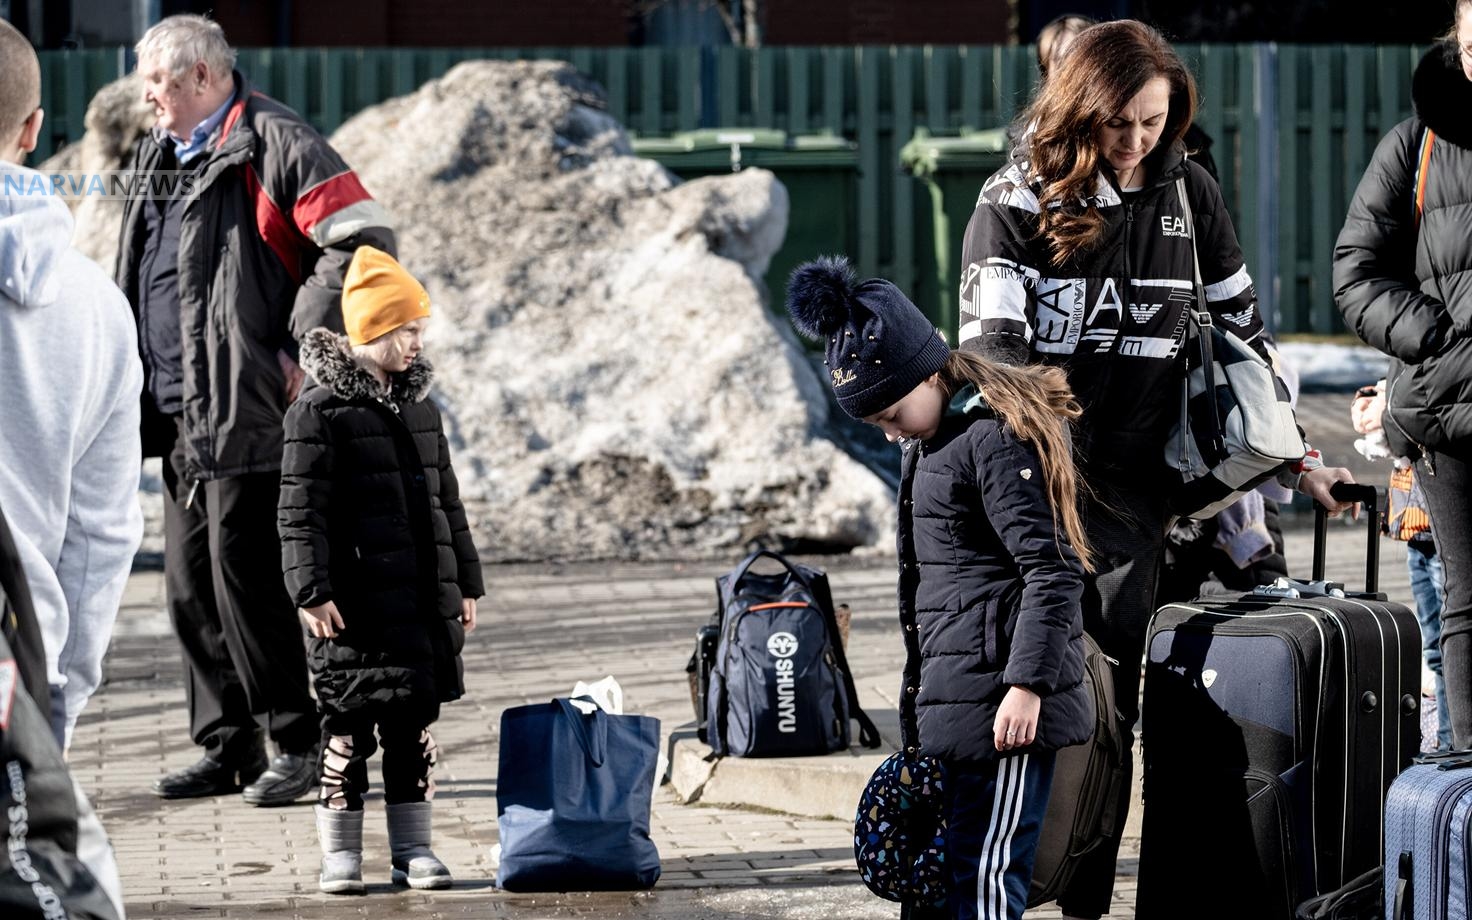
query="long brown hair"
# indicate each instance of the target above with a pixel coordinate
(1038, 405)
(1107, 65)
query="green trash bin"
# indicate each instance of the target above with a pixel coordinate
(953, 170)
(820, 172)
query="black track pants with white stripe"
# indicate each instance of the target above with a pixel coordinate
(996, 811)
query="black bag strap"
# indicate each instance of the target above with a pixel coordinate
(868, 734)
(19, 624)
(1201, 324)
(1362, 896)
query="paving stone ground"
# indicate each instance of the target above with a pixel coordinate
(542, 629)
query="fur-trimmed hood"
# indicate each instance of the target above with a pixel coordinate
(1442, 94)
(327, 357)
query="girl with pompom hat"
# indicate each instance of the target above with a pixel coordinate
(992, 554)
(379, 559)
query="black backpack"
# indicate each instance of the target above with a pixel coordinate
(779, 683)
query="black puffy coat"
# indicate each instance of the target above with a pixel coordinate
(263, 247)
(1407, 290)
(371, 518)
(988, 592)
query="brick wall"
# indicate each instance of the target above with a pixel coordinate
(429, 23)
(885, 22)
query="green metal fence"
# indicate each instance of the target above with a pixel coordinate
(1294, 126)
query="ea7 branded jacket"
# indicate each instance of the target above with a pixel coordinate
(1113, 317)
(371, 519)
(262, 252)
(988, 592)
(1404, 284)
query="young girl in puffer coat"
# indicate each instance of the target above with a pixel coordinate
(379, 558)
(992, 554)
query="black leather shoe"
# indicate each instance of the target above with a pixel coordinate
(288, 778)
(207, 777)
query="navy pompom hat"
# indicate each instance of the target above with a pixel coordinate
(879, 345)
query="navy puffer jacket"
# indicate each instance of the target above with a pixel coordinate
(988, 592)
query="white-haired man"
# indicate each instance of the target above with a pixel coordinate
(225, 277)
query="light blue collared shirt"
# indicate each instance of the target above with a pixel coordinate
(199, 137)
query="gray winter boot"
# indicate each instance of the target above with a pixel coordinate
(414, 864)
(341, 835)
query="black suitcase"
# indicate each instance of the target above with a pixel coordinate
(1273, 725)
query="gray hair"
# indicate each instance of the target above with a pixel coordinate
(179, 42)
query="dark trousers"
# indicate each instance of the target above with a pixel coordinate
(244, 662)
(1449, 500)
(409, 758)
(994, 816)
(1127, 534)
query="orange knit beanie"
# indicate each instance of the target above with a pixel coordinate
(379, 296)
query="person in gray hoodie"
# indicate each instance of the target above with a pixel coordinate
(69, 430)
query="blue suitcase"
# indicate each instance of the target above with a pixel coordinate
(1426, 838)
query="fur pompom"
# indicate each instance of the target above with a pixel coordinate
(819, 294)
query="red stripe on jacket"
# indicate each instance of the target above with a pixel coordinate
(277, 232)
(327, 198)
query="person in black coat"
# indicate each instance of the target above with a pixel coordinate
(1403, 280)
(992, 554)
(378, 555)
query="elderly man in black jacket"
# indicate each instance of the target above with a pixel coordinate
(241, 251)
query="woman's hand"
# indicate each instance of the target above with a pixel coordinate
(1017, 719)
(1317, 483)
(1367, 409)
(467, 613)
(322, 621)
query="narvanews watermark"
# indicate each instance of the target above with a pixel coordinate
(106, 184)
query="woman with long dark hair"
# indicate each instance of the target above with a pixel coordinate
(1079, 256)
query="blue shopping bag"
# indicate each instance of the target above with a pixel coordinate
(573, 797)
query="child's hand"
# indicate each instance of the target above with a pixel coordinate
(1017, 719)
(321, 619)
(467, 613)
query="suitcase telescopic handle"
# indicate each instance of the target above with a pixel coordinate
(1370, 497)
